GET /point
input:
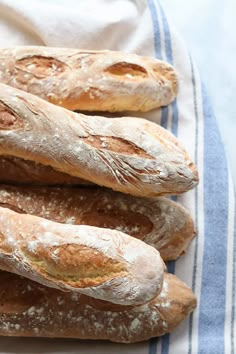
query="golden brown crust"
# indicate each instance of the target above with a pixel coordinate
(144, 159)
(102, 263)
(89, 80)
(78, 266)
(37, 311)
(160, 222)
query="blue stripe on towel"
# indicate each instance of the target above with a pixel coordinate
(156, 29)
(174, 129)
(196, 114)
(164, 119)
(158, 52)
(157, 44)
(153, 345)
(169, 57)
(233, 291)
(165, 342)
(175, 118)
(212, 299)
(165, 110)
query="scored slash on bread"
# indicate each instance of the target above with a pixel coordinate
(38, 311)
(160, 222)
(101, 263)
(89, 80)
(143, 159)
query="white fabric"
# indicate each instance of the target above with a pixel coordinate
(87, 24)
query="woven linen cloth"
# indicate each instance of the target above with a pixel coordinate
(209, 266)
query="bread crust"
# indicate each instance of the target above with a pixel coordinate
(33, 310)
(89, 80)
(102, 263)
(160, 222)
(14, 170)
(143, 159)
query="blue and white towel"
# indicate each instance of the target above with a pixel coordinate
(209, 266)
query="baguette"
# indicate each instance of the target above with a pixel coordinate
(89, 80)
(32, 310)
(102, 263)
(129, 155)
(14, 170)
(160, 222)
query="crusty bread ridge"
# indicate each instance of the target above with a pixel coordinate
(38, 311)
(143, 160)
(102, 263)
(89, 80)
(160, 222)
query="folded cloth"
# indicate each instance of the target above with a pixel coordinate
(209, 266)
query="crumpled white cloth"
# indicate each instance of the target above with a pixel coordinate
(209, 266)
(102, 24)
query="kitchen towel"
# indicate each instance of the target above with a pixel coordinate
(209, 266)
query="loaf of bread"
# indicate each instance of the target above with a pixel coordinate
(14, 170)
(89, 80)
(130, 155)
(102, 263)
(160, 222)
(33, 310)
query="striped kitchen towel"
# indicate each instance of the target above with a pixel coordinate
(209, 266)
